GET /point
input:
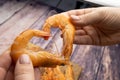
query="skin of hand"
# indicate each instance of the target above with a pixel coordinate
(23, 70)
(96, 26)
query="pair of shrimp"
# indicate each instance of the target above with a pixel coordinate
(41, 57)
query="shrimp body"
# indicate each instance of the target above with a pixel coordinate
(63, 22)
(38, 56)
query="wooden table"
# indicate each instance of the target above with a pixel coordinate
(98, 63)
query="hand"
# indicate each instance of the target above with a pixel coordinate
(23, 70)
(96, 26)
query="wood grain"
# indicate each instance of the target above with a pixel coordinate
(110, 64)
(88, 57)
(8, 9)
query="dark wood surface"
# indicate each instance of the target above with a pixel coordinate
(98, 63)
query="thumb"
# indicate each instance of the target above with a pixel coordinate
(86, 19)
(24, 69)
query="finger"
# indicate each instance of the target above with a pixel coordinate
(80, 11)
(93, 33)
(5, 61)
(24, 69)
(80, 32)
(86, 19)
(10, 73)
(86, 40)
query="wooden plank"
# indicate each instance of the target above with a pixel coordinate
(9, 9)
(110, 64)
(88, 57)
(18, 23)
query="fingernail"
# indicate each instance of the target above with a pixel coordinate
(24, 59)
(75, 17)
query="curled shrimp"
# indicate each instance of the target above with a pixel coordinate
(38, 56)
(63, 22)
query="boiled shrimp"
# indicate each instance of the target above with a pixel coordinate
(63, 22)
(39, 56)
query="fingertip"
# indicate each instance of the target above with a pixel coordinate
(74, 17)
(77, 20)
(24, 69)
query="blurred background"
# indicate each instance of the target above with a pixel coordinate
(65, 5)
